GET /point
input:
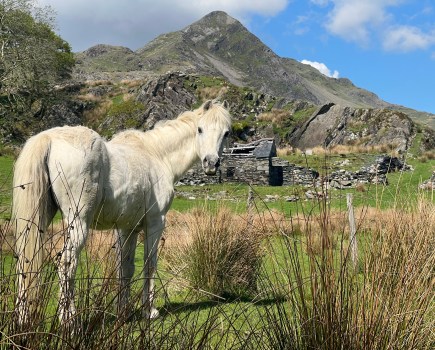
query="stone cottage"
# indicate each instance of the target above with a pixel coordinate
(255, 163)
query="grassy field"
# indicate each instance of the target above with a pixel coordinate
(277, 276)
(402, 187)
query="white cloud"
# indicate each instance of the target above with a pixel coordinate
(354, 19)
(322, 68)
(407, 38)
(133, 23)
(365, 21)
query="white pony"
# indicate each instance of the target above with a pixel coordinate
(126, 184)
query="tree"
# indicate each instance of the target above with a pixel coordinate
(32, 56)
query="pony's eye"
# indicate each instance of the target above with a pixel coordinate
(226, 134)
(199, 130)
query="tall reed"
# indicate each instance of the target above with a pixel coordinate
(386, 302)
(290, 278)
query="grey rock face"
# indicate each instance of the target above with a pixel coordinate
(336, 125)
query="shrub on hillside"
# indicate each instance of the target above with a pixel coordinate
(128, 107)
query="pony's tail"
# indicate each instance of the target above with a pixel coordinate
(32, 202)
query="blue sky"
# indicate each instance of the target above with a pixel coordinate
(384, 46)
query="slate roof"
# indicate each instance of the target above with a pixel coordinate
(263, 148)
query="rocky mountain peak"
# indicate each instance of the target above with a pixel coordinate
(219, 31)
(219, 45)
(216, 18)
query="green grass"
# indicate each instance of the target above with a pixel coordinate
(6, 175)
(301, 115)
(190, 317)
(304, 286)
(402, 186)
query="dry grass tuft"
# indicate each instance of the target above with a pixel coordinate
(92, 83)
(97, 113)
(89, 97)
(212, 92)
(215, 252)
(426, 156)
(360, 187)
(286, 151)
(385, 301)
(132, 83)
(276, 116)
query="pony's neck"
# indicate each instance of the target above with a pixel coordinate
(182, 157)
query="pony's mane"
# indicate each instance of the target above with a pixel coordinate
(167, 135)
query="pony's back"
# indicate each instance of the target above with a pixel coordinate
(33, 204)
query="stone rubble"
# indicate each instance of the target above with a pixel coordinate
(272, 170)
(375, 173)
(429, 184)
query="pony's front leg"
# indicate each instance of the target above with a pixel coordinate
(126, 249)
(153, 233)
(67, 268)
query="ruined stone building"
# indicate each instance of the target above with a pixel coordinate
(255, 163)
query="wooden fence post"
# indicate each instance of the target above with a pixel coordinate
(250, 205)
(353, 244)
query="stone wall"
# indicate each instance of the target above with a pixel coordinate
(347, 179)
(255, 171)
(293, 174)
(236, 169)
(275, 171)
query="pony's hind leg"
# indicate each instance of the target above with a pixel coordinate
(77, 175)
(126, 249)
(75, 236)
(77, 204)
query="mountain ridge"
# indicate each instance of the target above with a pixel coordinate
(219, 45)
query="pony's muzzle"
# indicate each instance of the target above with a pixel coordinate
(210, 164)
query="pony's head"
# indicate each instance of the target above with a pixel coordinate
(214, 125)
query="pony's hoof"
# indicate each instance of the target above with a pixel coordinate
(152, 314)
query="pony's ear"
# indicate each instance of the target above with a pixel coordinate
(226, 104)
(207, 105)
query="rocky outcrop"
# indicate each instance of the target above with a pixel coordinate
(427, 139)
(336, 125)
(64, 113)
(164, 97)
(158, 98)
(256, 115)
